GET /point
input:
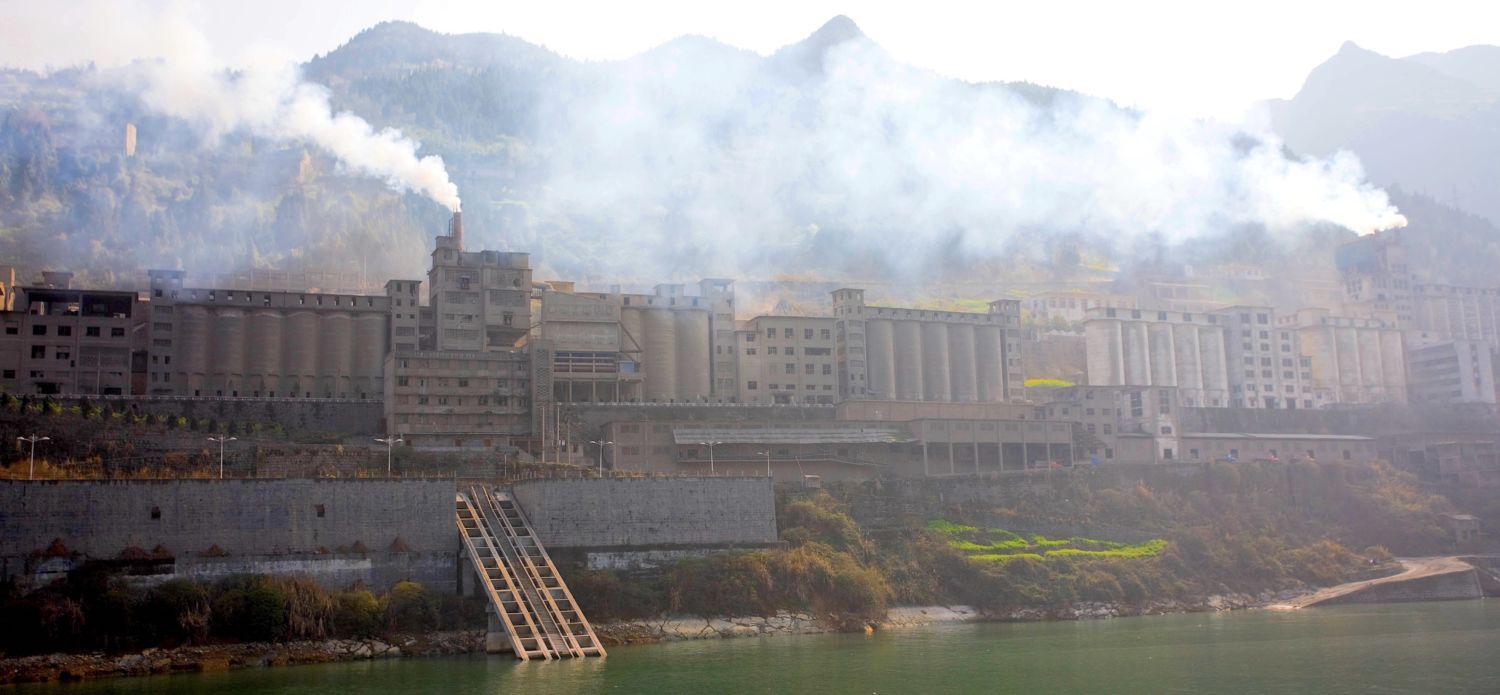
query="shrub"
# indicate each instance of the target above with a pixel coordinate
(409, 607)
(357, 613)
(250, 609)
(175, 611)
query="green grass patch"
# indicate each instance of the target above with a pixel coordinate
(1000, 545)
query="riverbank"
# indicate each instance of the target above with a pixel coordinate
(680, 628)
(227, 657)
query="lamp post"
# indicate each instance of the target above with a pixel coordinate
(33, 439)
(389, 442)
(710, 446)
(601, 445)
(767, 454)
(221, 439)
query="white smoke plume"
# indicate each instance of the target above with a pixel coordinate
(181, 76)
(739, 164)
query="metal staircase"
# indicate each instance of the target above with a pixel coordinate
(538, 614)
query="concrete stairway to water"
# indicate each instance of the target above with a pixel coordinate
(536, 614)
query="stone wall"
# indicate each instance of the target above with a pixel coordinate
(641, 513)
(338, 531)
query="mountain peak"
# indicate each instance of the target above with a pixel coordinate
(835, 31)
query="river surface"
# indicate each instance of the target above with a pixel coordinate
(1451, 647)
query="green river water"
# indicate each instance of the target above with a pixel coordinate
(1451, 647)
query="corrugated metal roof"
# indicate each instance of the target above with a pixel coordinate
(806, 435)
(1289, 435)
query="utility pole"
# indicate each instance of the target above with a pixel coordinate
(601, 445)
(710, 446)
(389, 442)
(33, 439)
(221, 439)
(767, 453)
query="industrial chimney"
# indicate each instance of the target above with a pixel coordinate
(456, 230)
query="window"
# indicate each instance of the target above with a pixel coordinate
(39, 330)
(828, 370)
(773, 351)
(65, 330)
(770, 333)
(117, 333)
(319, 509)
(10, 374)
(38, 352)
(791, 368)
(749, 351)
(809, 368)
(91, 331)
(788, 333)
(790, 350)
(827, 334)
(751, 385)
(807, 334)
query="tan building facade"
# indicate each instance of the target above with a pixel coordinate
(787, 359)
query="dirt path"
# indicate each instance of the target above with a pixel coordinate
(1416, 568)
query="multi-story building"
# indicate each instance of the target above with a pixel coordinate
(480, 300)
(1457, 371)
(1451, 312)
(437, 399)
(1267, 364)
(1377, 280)
(60, 340)
(887, 353)
(1072, 306)
(787, 359)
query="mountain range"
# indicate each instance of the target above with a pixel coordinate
(1427, 123)
(827, 159)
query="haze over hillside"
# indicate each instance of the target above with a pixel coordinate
(1427, 123)
(826, 158)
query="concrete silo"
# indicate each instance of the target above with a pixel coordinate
(263, 352)
(880, 359)
(961, 360)
(370, 337)
(660, 355)
(936, 370)
(693, 382)
(989, 363)
(228, 366)
(908, 341)
(194, 346)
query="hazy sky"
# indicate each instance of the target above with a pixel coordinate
(1198, 57)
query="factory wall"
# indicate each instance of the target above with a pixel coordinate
(405, 528)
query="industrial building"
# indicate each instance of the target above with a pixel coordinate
(787, 359)
(1351, 360)
(1072, 306)
(888, 353)
(232, 343)
(1139, 347)
(1456, 371)
(56, 339)
(1248, 357)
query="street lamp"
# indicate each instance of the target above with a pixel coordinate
(601, 445)
(33, 439)
(767, 454)
(221, 439)
(389, 442)
(710, 446)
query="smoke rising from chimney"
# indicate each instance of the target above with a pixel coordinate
(180, 75)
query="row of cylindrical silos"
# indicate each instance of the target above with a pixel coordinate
(1157, 354)
(935, 361)
(233, 351)
(673, 344)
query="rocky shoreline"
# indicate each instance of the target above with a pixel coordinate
(675, 629)
(226, 657)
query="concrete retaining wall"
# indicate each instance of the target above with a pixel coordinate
(311, 527)
(1452, 586)
(641, 513)
(296, 415)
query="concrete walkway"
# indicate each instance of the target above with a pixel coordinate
(1415, 569)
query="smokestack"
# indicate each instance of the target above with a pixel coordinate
(456, 230)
